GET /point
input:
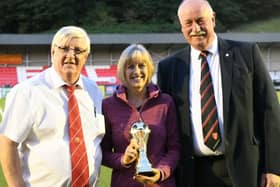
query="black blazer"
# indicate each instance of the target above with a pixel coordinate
(251, 112)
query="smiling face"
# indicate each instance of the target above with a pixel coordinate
(197, 23)
(69, 58)
(135, 68)
(136, 75)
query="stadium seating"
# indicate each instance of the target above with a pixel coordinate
(106, 75)
(9, 76)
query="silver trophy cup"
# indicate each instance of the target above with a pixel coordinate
(140, 132)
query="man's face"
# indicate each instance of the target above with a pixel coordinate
(69, 59)
(197, 25)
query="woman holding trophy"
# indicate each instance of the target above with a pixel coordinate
(141, 143)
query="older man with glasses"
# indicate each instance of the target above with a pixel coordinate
(52, 124)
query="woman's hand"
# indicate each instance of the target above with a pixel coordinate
(131, 153)
(270, 180)
(154, 178)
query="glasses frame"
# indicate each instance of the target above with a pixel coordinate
(66, 50)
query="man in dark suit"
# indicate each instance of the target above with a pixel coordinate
(247, 152)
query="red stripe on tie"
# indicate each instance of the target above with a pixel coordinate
(215, 124)
(79, 161)
(206, 105)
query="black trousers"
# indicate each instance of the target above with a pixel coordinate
(211, 171)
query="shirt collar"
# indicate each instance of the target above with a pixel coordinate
(58, 82)
(213, 49)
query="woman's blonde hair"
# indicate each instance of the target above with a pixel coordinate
(135, 52)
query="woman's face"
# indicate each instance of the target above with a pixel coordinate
(136, 75)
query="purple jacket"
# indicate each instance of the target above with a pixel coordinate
(163, 144)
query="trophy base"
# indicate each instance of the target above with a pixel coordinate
(146, 173)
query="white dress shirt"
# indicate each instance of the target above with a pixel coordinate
(36, 115)
(195, 103)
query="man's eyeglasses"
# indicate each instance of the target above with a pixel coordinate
(76, 51)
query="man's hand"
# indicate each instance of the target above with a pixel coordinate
(10, 162)
(270, 180)
(149, 179)
(131, 153)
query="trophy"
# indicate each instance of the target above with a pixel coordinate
(140, 132)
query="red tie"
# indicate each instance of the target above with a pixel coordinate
(79, 161)
(209, 116)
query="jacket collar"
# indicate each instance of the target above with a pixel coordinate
(152, 89)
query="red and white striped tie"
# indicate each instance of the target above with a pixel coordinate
(79, 161)
(209, 115)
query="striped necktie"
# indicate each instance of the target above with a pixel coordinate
(79, 161)
(209, 116)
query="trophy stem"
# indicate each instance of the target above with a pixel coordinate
(143, 165)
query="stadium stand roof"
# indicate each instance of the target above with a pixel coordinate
(267, 39)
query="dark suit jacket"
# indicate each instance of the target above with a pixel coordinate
(251, 112)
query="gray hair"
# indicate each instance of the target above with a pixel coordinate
(65, 34)
(202, 2)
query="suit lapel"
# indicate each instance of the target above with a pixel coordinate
(226, 61)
